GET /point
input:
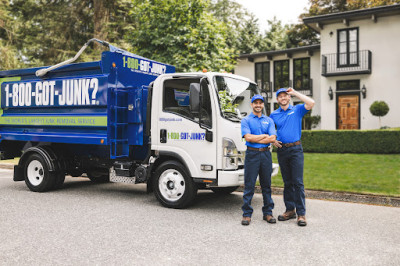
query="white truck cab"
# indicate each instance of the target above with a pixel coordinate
(195, 127)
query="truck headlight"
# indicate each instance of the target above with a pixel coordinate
(231, 154)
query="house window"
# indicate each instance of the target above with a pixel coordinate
(281, 74)
(348, 47)
(301, 74)
(262, 76)
(343, 85)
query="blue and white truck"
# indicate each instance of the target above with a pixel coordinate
(127, 119)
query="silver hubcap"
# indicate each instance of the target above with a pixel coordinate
(171, 185)
(35, 172)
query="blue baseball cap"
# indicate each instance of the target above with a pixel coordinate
(257, 97)
(280, 90)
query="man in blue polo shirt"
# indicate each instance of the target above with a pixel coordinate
(288, 119)
(258, 131)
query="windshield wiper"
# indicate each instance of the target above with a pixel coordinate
(232, 115)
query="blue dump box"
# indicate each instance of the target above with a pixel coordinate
(98, 106)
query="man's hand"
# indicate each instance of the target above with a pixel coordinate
(277, 144)
(290, 91)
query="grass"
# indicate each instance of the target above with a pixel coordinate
(360, 173)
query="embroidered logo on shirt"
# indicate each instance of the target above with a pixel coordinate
(265, 122)
(291, 113)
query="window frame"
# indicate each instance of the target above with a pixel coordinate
(348, 64)
(281, 72)
(263, 81)
(302, 79)
(195, 118)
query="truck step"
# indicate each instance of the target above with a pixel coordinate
(121, 179)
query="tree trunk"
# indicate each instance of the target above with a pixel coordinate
(101, 18)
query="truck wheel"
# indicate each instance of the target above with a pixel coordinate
(223, 190)
(37, 175)
(172, 186)
(98, 176)
(59, 181)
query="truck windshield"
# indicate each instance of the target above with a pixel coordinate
(235, 96)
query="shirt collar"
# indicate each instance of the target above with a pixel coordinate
(253, 115)
(289, 108)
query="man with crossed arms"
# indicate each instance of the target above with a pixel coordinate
(258, 131)
(288, 120)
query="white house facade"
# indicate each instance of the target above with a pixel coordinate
(356, 63)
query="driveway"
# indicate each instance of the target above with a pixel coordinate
(104, 224)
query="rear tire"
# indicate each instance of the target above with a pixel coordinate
(173, 186)
(38, 178)
(223, 190)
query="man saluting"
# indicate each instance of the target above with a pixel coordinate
(290, 152)
(259, 131)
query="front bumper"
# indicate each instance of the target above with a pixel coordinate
(230, 178)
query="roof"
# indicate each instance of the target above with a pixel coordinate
(309, 48)
(317, 22)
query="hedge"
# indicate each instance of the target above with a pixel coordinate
(351, 141)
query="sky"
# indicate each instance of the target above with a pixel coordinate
(287, 11)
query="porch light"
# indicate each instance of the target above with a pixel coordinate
(364, 91)
(330, 93)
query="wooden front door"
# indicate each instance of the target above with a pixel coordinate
(348, 112)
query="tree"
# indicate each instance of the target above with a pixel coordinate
(379, 108)
(243, 33)
(181, 33)
(10, 58)
(54, 31)
(276, 38)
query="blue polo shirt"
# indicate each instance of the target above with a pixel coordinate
(255, 125)
(288, 122)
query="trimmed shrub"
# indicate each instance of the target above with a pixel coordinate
(351, 141)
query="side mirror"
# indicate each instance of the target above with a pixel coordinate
(194, 98)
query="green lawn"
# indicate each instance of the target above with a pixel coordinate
(360, 173)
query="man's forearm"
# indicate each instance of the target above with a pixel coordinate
(309, 102)
(269, 139)
(256, 138)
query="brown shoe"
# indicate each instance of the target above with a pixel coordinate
(287, 215)
(301, 221)
(270, 219)
(246, 220)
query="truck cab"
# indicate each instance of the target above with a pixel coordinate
(195, 122)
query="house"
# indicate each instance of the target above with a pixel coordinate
(356, 63)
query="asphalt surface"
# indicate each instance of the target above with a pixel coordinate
(119, 224)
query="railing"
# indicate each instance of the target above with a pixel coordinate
(346, 63)
(307, 91)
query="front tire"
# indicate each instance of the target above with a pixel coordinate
(172, 185)
(38, 178)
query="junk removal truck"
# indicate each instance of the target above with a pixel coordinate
(126, 119)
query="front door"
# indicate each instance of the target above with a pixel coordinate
(348, 112)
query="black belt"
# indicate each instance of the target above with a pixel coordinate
(257, 149)
(287, 145)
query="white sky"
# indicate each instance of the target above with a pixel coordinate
(287, 11)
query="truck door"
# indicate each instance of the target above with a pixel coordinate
(179, 129)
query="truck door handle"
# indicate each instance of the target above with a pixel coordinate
(163, 135)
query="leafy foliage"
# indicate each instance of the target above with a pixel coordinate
(8, 53)
(226, 102)
(379, 108)
(181, 33)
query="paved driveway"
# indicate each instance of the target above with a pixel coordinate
(105, 224)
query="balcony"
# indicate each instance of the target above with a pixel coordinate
(351, 64)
